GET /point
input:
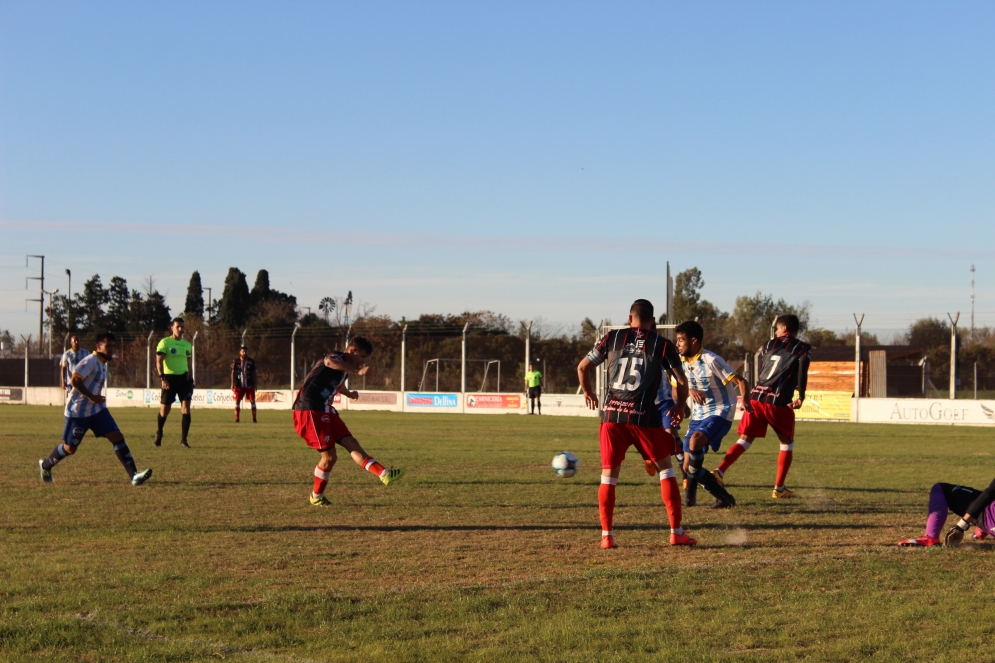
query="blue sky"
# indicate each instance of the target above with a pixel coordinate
(538, 159)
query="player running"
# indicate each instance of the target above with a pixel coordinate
(712, 384)
(74, 355)
(784, 364)
(172, 361)
(975, 506)
(86, 410)
(533, 380)
(637, 357)
(243, 382)
(318, 423)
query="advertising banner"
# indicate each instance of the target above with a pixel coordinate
(565, 405)
(374, 400)
(825, 406)
(926, 411)
(11, 395)
(266, 399)
(419, 402)
(494, 403)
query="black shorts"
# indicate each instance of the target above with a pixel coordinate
(959, 497)
(535, 392)
(180, 388)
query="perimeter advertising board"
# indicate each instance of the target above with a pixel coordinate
(925, 411)
(266, 399)
(425, 402)
(494, 403)
(389, 401)
(825, 406)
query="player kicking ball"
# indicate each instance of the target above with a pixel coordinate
(712, 384)
(637, 358)
(318, 424)
(86, 410)
(784, 364)
(975, 507)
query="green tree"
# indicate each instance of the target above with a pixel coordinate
(688, 305)
(823, 338)
(91, 303)
(260, 290)
(194, 306)
(929, 333)
(119, 299)
(749, 325)
(235, 301)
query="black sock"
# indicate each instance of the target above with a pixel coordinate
(124, 455)
(58, 453)
(709, 483)
(539, 405)
(695, 461)
(185, 425)
(162, 421)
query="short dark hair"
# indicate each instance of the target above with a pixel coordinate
(243, 347)
(175, 320)
(105, 337)
(642, 309)
(691, 329)
(361, 343)
(790, 322)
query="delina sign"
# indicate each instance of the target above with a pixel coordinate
(494, 401)
(450, 401)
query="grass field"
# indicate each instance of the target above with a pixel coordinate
(480, 552)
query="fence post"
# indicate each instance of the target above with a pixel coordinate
(856, 370)
(404, 356)
(975, 380)
(953, 353)
(148, 360)
(528, 345)
(293, 355)
(193, 356)
(463, 362)
(27, 355)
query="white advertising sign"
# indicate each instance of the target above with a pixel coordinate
(925, 411)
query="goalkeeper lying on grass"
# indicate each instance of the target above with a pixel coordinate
(974, 506)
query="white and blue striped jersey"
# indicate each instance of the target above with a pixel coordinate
(70, 359)
(93, 370)
(709, 373)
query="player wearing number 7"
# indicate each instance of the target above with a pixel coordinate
(783, 364)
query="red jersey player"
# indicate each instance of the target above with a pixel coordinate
(318, 424)
(637, 358)
(783, 364)
(243, 382)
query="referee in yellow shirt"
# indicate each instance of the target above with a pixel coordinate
(533, 380)
(172, 362)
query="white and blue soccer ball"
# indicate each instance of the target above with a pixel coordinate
(565, 464)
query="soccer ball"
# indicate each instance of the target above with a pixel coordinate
(565, 464)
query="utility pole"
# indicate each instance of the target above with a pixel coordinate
(69, 302)
(953, 353)
(972, 303)
(41, 296)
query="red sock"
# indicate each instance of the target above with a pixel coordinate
(238, 411)
(373, 466)
(320, 479)
(783, 463)
(606, 503)
(253, 411)
(735, 451)
(672, 498)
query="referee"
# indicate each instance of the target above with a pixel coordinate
(172, 362)
(533, 380)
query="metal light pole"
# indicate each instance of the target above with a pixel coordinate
(953, 353)
(293, 355)
(856, 371)
(41, 296)
(404, 356)
(69, 301)
(463, 363)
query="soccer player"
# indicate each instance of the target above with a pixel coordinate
(172, 362)
(533, 380)
(74, 355)
(665, 404)
(711, 386)
(318, 423)
(637, 357)
(243, 382)
(974, 506)
(86, 410)
(784, 364)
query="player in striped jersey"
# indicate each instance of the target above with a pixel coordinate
(783, 364)
(86, 410)
(712, 384)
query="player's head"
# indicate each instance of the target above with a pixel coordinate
(689, 335)
(531, 367)
(177, 327)
(786, 325)
(361, 347)
(641, 314)
(243, 352)
(105, 344)
(74, 342)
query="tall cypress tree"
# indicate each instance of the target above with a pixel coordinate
(260, 290)
(236, 300)
(195, 298)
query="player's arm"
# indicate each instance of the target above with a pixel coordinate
(584, 375)
(62, 372)
(681, 408)
(743, 387)
(955, 534)
(344, 390)
(77, 381)
(346, 364)
(803, 363)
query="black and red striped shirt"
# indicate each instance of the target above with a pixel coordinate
(783, 368)
(636, 361)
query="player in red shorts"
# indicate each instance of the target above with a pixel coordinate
(784, 364)
(243, 382)
(317, 422)
(637, 358)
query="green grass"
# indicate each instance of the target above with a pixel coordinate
(480, 552)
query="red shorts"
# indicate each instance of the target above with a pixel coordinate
(245, 392)
(779, 417)
(321, 430)
(654, 444)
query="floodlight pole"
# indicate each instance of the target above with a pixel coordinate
(953, 353)
(528, 343)
(293, 355)
(404, 357)
(41, 296)
(463, 363)
(69, 302)
(856, 371)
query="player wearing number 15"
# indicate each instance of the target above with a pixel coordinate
(783, 365)
(637, 358)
